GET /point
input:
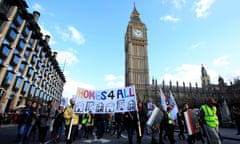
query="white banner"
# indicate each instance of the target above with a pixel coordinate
(105, 101)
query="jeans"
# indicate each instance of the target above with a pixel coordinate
(130, 135)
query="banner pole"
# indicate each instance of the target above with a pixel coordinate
(139, 125)
(138, 122)
(70, 128)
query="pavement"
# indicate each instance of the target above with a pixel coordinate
(229, 133)
(8, 136)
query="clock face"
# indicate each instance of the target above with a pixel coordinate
(138, 33)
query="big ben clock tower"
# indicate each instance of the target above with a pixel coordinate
(136, 56)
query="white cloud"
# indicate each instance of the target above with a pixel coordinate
(76, 36)
(179, 3)
(71, 34)
(236, 72)
(188, 73)
(66, 57)
(38, 7)
(62, 33)
(192, 73)
(185, 73)
(169, 18)
(202, 7)
(196, 45)
(220, 61)
(45, 32)
(70, 87)
(114, 81)
(110, 77)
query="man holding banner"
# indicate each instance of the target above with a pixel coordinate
(142, 113)
(135, 120)
(71, 121)
(129, 121)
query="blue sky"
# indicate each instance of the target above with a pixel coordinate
(182, 34)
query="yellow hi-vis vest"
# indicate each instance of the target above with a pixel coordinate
(210, 115)
(90, 120)
(84, 120)
(170, 121)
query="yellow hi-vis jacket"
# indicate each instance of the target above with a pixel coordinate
(170, 121)
(84, 120)
(210, 115)
(69, 115)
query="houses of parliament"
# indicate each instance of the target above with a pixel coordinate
(29, 69)
(137, 73)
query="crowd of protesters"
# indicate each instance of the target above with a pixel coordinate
(36, 122)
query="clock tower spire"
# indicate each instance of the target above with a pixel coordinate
(136, 56)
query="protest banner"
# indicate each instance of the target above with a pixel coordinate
(105, 101)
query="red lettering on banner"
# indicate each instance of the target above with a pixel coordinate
(131, 92)
(85, 94)
(91, 94)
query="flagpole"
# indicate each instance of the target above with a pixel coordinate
(163, 99)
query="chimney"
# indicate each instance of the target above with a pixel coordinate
(47, 38)
(54, 54)
(36, 16)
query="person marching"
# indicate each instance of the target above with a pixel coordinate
(118, 120)
(27, 122)
(170, 126)
(129, 121)
(154, 122)
(47, 113)
(191, 136)
(192, 124)
(71, 118)
(163, 126)
(58, 120)
(235, 113)
(149, 113)
(180, 120)
(89, 125)
(209, 118)
(100, 125)
(142, 118)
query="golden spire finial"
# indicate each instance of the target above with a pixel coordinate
(135, 12)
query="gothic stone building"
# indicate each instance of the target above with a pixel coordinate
(137, 73)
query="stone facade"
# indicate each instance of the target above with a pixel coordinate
(136, 56)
